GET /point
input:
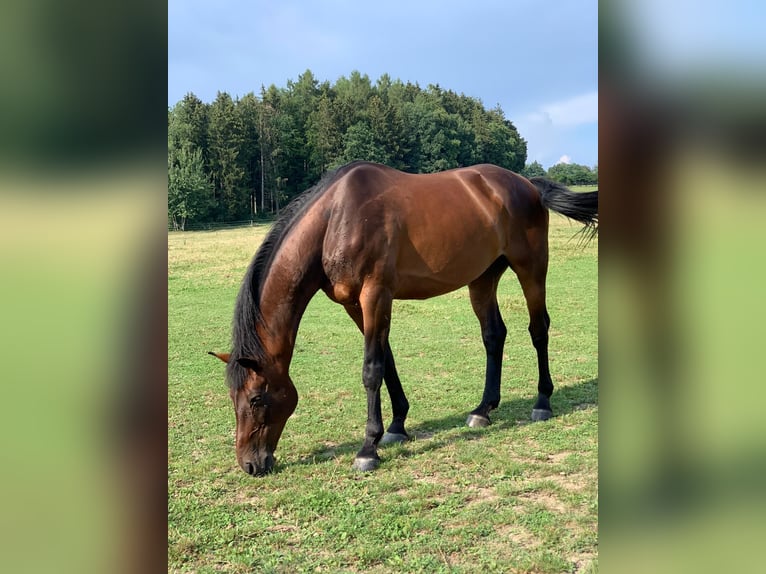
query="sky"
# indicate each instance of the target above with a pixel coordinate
(537, 59)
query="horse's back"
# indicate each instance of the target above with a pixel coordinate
(423, 234)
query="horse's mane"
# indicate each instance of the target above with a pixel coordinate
(247, 310)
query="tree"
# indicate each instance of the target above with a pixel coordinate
(224, 146)
(300, 101)
(283, 164)
(386, 130)
(505, 147)
(438, 140)
(360, 143)
(189, 189)
(534, 169)
(247, 110)
(191, 115)
(352, 95)
(188, 186)
(262, 150)
(268, 138)
(572, 174)
(322, 136)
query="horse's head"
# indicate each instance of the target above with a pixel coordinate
(262, 406)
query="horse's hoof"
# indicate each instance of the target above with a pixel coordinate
(393, 437)
(541, 414)
(366, 464)
(477, 421)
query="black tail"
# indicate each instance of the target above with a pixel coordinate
(582, 207)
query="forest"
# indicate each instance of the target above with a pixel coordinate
(245, 157)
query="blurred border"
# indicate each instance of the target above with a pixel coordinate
(681, 279)
(83, 250)
(83, 112)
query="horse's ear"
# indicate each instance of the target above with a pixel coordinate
(223, 356)
(250, 364)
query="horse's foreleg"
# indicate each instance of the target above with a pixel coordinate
(399, 403)
(376, 310)
(483, 293)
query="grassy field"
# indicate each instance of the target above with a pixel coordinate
(514, 497)
(583, 187)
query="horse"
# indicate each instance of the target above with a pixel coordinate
(365, 235)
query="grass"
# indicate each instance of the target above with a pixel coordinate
(514, 497)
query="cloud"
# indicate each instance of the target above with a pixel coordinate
(554, 128)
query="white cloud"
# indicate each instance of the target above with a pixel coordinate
(572, 112)
(549, 129)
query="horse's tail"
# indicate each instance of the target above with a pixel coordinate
(582, 207)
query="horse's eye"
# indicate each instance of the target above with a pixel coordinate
(257, 402)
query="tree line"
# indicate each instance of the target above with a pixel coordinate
(566, 173)
(238, 158)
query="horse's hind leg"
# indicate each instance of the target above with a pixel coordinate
(533, 285)
(399, 404)
(483, 293)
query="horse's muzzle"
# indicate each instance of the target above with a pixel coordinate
(257, 467)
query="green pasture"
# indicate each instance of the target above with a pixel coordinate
(583, 187)
(514, 497)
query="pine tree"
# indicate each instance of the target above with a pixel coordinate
(224, 145)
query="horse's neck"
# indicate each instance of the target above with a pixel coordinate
(294, 277)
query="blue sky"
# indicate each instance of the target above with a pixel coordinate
(537, 59)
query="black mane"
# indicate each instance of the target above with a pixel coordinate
(247, 310)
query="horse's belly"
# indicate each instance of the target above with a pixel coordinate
(418, 278)
(423, 288)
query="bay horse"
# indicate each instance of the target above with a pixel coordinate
(367, 234)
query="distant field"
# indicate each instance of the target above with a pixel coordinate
(583, 187)
(511, 497)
